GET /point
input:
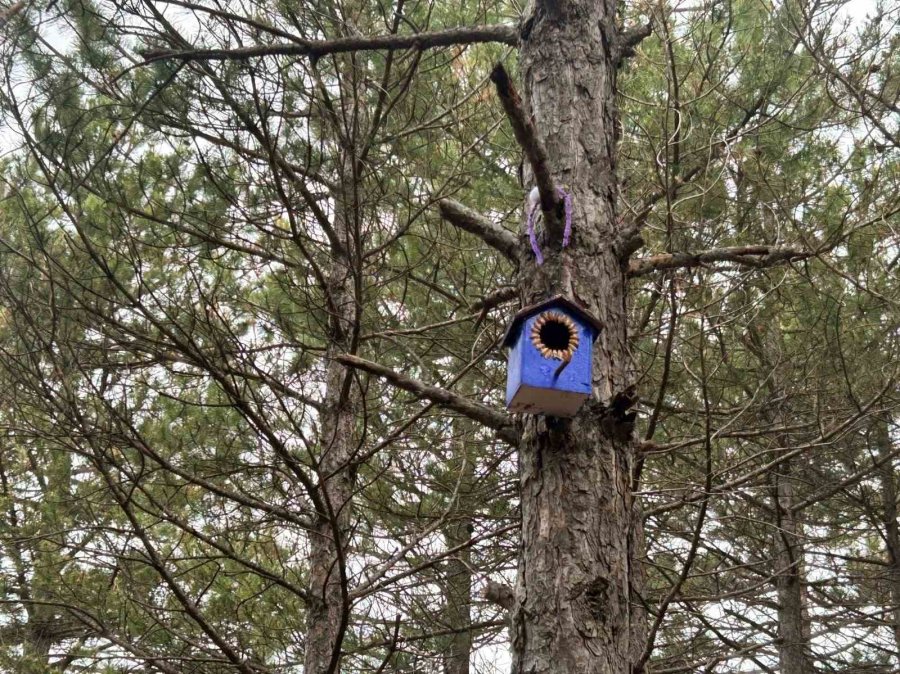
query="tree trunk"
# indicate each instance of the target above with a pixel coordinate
(575, 609)
(458, 598)
(892, 532)
(794, 654)
(327, 612)
(793, 623)
(457, 613)
(37, 645)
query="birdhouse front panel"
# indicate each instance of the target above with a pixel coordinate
(550, 363)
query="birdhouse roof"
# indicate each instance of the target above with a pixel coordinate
(560, 301)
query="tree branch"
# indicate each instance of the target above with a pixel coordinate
(629, 38)
(826, 436)
(503, 33)
(487, 416)
(10, 12)
(495, 298)
(493, 235)
(751, 256)
(526, 136)
(500, 594)
(628, 242)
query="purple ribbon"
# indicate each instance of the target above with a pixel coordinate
(567, 207)
(531, 237)
(567, 232)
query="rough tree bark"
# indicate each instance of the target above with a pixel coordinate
(575, 607)
(327, 612)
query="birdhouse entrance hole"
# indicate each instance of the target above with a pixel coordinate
(555, 335)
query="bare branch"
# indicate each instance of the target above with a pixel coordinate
(526, 135)
(628, 242)
(680, 181)
(749, 256)
(826, 436)
(466, 219)
(495, 299)
(503, 33)
(487, 416)
(629, 38)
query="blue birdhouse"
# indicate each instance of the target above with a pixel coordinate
(550, 348)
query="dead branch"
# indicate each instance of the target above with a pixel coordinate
(371, 586)
(503, 33)
(823, 438)
(489, 417)
(500, 594)
(495, 299)
(526, 136)
(750, 256)
(629, 39)
(468, 220)
(628, 242)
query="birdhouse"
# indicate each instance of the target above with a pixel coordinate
(549, 368)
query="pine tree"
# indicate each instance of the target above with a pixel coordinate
(257, 262)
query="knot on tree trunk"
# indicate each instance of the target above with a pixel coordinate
(593, 605)
(617, 419)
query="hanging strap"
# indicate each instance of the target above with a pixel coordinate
(532, 215)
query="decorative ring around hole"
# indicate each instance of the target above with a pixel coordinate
(555, 336)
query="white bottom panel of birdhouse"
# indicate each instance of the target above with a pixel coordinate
(533, 400)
